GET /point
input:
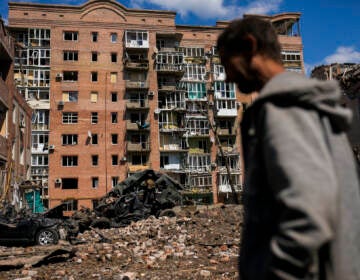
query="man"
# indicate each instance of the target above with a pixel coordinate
(301, 197)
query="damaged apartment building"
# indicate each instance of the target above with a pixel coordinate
(15, 125)
(117, 90)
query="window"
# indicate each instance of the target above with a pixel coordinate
(94, 96)
(138, 159)
(70, 117)
(113, 57)
(195, 90)
(95, 182)
(95, 160)
(94, 56)
(113, 77)
(70, 96)
(94, 117)
(70, 55)
(69, 161)
(71, 35)
(39, 140)
(94, 139)
(194, 72)
(70, 76)
(114, 97)
(114, 138)
(94, 36)
(70, 205)
(114, 181)
(225, 90)
(192, 52)
(94, 76)
(114, 117)
(39, 160)
(113, 37)
(114, 159)
(69, 139)
(95, 203)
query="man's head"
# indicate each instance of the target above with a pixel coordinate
(250, 52)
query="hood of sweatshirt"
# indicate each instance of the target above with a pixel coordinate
(295, 89)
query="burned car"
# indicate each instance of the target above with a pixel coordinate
(141, 195)
(25, 227)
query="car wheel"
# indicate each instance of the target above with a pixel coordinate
(46, 237)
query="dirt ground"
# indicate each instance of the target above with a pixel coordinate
(200, 243)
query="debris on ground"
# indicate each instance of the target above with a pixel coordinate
(200, 242)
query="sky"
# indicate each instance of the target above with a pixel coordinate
(330, 29)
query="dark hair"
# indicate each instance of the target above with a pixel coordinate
(231, 40)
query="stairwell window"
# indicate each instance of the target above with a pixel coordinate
(94, 139)
(94, 96)
(94, 56)
(114, 57)
(94, 117)
(114, 117)
(114, 159)
(94, 36)
(114, 181)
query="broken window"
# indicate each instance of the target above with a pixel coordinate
(192, 51)
(94, 117)
(39, 37)
(95, 182)
(69, 139)
(218, 72)
(39, 140)
(139, 159)
(95, 160)
(114, 181)
(70, 96)
(224, 90)
(114, 97)
(70, 76)
(94, 56)
(114, 159)
(94, 76)
(114, 117)
(194, 72)
(94, 36)
(198, 162)
(70, 55)
(39, 160)
(70, 205)
(114, 138)
(69, 183)
(69, 117)
(94, 139)
(70, 35)
(69, 160)
(136, 39)
(113, 57)
(198, 126)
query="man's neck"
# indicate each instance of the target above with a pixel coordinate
(267, 67)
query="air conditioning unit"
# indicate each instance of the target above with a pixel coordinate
(151, 93)
(157, 111)
(124, 159)
(58, 77)
(51, 147)
(211, 103)
(58, 181)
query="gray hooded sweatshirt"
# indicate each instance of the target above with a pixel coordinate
(301, 196)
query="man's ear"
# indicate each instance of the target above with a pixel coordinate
(249, 44)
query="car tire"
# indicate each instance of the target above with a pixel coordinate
(46, 236)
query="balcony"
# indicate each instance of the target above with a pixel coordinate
(226, 113)
(170, 68)
(226, 131)
(229, 150)
(137, 104)
(139, 65)
(137, 126)
(138, 167)
(170, 127)
(173, 148)
(38, 126)
(138, 147)
(136, 84)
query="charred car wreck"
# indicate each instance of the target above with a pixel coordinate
(141, 195)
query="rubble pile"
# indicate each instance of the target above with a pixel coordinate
(201, 242)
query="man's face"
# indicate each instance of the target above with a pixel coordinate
(238, 70)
